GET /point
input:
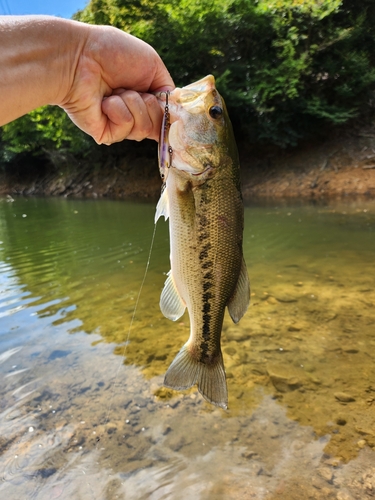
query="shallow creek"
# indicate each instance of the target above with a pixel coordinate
(83, 412)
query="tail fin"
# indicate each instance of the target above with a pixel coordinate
(185, 371)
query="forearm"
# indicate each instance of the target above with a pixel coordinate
(38, 57)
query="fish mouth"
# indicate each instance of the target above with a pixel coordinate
(190, 97)
(203, 85)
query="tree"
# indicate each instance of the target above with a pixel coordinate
(287, 69)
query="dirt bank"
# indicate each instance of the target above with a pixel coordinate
(338, 167)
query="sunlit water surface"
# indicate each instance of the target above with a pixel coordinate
(84, 414)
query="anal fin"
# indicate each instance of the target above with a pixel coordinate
(240, 300)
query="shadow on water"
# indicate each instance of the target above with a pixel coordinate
(86, 416)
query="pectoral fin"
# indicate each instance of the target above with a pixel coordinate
(171, 303)
(239, 302)
(162, 208)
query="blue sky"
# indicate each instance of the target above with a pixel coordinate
(61, 8)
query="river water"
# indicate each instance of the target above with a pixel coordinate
(84, 414)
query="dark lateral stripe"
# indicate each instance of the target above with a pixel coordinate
(206, 307)
(206, 326)
(203, 236)
(207, 265)
(204, 252)
(203, 221)
(206, 331)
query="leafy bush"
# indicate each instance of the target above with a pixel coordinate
(47, 132)
(286, 68)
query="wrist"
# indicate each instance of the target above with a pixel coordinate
(64, 58)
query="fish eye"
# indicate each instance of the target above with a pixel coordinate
(215, 112)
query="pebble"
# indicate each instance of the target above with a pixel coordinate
(350, 350)
(294, 328)
(317, 482)
(111, 428)
(344, 495)
(249, 454)
(326, 493)
(237, 334)
(284, 378)
(363, 431)
(343, 397)
(272, 300)
(285, 298)
(326, 473)
(340, 421)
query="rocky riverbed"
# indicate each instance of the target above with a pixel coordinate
(84, 413)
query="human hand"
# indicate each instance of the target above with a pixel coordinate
(109, 93)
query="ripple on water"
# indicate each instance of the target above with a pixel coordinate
(83, 413)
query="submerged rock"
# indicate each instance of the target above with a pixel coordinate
(284, 378)
(343, 397)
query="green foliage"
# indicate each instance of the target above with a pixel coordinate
(286, 68)
(312, 73)
(42, 132)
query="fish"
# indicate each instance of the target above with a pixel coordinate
(201, 197)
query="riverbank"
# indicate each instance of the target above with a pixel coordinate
(339, 167)
(343, 166)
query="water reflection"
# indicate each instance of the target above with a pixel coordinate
(77, 423)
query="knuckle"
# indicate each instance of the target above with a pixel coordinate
(127, 118)
(147, 129)
(131, 97)
(149, 100)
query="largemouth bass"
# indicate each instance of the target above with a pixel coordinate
(201, 196)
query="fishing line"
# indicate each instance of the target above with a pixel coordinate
(130, 327)
(163, 149)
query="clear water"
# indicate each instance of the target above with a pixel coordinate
(83, 410)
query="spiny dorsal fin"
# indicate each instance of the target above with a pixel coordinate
(171, 303)
(239, 302)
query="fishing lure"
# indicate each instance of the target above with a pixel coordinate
(165, 151)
